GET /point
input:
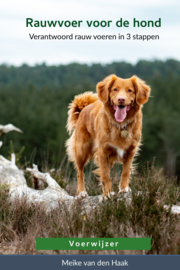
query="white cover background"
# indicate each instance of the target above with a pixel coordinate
(17, 48)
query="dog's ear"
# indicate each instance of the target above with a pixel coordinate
(103, 87)
(142, 90)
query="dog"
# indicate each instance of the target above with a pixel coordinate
(107, 127)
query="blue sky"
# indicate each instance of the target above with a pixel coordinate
(17, 48)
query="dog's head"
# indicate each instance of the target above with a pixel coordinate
(122, 95)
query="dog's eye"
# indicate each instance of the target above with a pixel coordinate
(115, 89)
(129, 90)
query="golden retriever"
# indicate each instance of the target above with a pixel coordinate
(107, 127)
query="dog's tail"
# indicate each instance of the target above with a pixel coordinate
(76, 106)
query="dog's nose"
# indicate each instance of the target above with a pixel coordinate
(121, 100)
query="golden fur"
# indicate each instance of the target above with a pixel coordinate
(97, 121)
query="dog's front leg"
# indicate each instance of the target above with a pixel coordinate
(105, 171)
(127, 162)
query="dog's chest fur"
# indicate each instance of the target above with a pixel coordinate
(119, 151)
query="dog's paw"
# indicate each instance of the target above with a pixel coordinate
(125, 190)
(111, 194)
(81, 195)
(108, 196)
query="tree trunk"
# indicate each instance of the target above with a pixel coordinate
(171, 163)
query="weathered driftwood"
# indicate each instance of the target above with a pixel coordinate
(7, 128)
(52, 196)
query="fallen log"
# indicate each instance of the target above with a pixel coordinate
(52, 196)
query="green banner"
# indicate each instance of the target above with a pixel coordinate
(93, 243)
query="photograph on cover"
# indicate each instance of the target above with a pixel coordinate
(90, 134)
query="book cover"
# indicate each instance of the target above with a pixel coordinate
(51, 52)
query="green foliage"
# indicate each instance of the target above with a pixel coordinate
(18, 155)
(35, 99)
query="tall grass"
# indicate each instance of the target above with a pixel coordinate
(145, 216)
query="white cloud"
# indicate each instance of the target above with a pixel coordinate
(16, 46)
